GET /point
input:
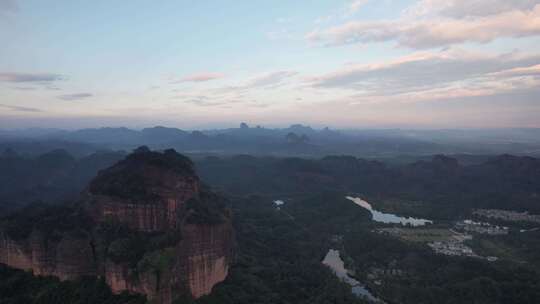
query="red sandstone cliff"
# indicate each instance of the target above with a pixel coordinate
(67, 258)
(203, 259)
(156, 194)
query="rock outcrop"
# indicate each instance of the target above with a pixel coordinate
(146, 225)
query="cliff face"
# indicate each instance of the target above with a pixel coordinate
(14, 254)
(67, 258)
(201, 260)
(145, 225)
(206, 252)
(146, 191)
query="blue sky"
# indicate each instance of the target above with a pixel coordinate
(199, 64)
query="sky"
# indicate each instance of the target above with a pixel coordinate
(207, 64)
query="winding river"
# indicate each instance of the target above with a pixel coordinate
(388, 218)
(334, 261)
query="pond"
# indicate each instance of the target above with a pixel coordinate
(388, 218)
(279, 202)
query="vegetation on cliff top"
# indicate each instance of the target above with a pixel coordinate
(128, 179)
(208, 208)
(114, 240)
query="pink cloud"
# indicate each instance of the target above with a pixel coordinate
(202, 77)
(434, 31)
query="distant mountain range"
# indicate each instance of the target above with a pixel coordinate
(296, 140)
(504, 181)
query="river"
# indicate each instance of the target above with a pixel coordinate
(334, 261)
(388, 218)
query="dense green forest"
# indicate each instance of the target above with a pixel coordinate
(503, 182)
(413, 273)
(279, 250)
(279, 261)
(446, 185)
(19, 287)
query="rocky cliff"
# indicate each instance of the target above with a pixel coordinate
(145, 225)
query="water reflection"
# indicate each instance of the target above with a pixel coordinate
(388, 218)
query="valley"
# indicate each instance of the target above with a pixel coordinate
(270, 152)
(407, 232)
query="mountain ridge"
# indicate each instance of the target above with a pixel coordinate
(177, 242)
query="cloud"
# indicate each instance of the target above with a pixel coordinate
(202, 101)
(208, 101)
(213, 98)
(77, 96)
(521, 71)
(19, 108)
(264, 81)
(454, 92)
(270, 79)
(426, 26)
(24, 88)
(28, 77)
(201, 77)
(468, 8)
(425, 69)
(430, 75)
